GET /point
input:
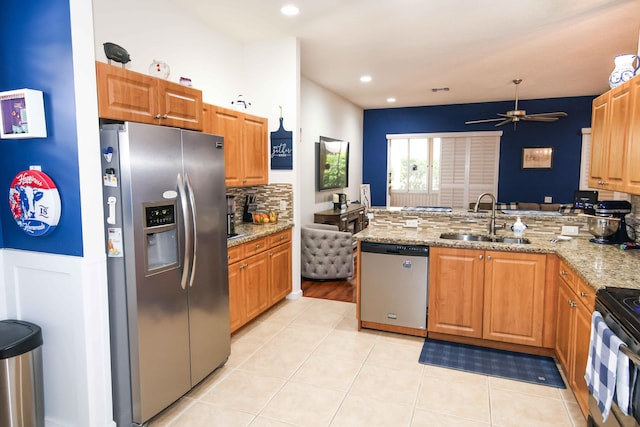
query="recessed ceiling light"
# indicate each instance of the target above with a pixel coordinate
(290, 10)
(365, 79)
(391, 100)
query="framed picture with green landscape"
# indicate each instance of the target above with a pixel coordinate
(332, 163)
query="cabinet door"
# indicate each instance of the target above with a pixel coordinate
(279, 272)
(179, 106)
(228, 123)
(581, 343)
(237, 312)
(256, 287)
(255, 155)
(126, 95)
(599, 141)
(455, 291)
(619, 111)
(565, 326)
(632, 171)
(514, 285)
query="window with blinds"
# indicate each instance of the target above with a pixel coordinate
(449, 169)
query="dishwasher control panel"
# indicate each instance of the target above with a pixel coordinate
(395, 249)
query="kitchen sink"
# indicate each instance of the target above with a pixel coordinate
(466, 237)
(484, 238)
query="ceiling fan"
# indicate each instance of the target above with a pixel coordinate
(515, 115)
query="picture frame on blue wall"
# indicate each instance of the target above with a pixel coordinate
(537, 158)
(22, 114)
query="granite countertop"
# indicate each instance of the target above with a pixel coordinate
(248, 231)
(598, 265)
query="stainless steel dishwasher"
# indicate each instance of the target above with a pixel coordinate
(394, 283)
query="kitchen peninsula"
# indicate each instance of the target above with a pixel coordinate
(536, 297)
(598, 265)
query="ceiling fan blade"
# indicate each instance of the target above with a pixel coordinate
(539, 119)
(504, 122)
(481, 121)
(555, 114)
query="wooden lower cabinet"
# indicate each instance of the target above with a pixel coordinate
(489, 295)
(456, 287)
(573, 331)
(259, 277)
(514, 290)
(279, 272)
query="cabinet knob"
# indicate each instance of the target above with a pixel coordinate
(572, 304)
(584, 294)
(258, 246)
(157, 116)
(271, 254)
(480, 256)
(164, 116)
(564, 272)
(489, 257)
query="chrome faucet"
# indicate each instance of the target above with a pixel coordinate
(492, 224)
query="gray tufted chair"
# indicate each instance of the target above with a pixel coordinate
(326, 252)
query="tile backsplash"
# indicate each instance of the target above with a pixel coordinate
(268, 198)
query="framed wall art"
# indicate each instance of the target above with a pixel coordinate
(537, 158)
(22, 114)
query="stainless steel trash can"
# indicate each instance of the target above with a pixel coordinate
(21, 384)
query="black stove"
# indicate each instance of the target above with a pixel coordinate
(623, 304)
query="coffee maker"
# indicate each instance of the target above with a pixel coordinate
(231, 216)
(614, 209)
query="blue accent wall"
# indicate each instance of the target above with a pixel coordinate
(35, 47)
(514, 183)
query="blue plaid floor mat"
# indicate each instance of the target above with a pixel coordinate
(488, 361)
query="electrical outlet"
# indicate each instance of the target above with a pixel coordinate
(548, 199)
(570, 230)
(283, 205)
(412, 223)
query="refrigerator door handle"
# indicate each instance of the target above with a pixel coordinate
(192, 201)
(187, 235)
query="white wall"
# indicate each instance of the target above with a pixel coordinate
(272, 83)
(323, 113)
(158, 30)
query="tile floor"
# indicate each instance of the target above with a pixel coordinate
(304, 363)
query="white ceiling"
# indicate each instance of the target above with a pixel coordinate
(476, 48)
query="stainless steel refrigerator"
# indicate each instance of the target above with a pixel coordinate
(165, 225)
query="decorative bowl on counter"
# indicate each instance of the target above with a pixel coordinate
(603, 226)
(265, 218)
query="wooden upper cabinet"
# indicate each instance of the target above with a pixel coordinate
(245, 145)
(599, 141)
(615, 132)
(632, 171)
(180, 106)
(255, 153)
(618, 134)
(130, 96)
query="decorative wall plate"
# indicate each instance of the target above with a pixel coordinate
(34, 202)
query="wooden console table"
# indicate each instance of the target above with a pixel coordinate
(351, 219)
